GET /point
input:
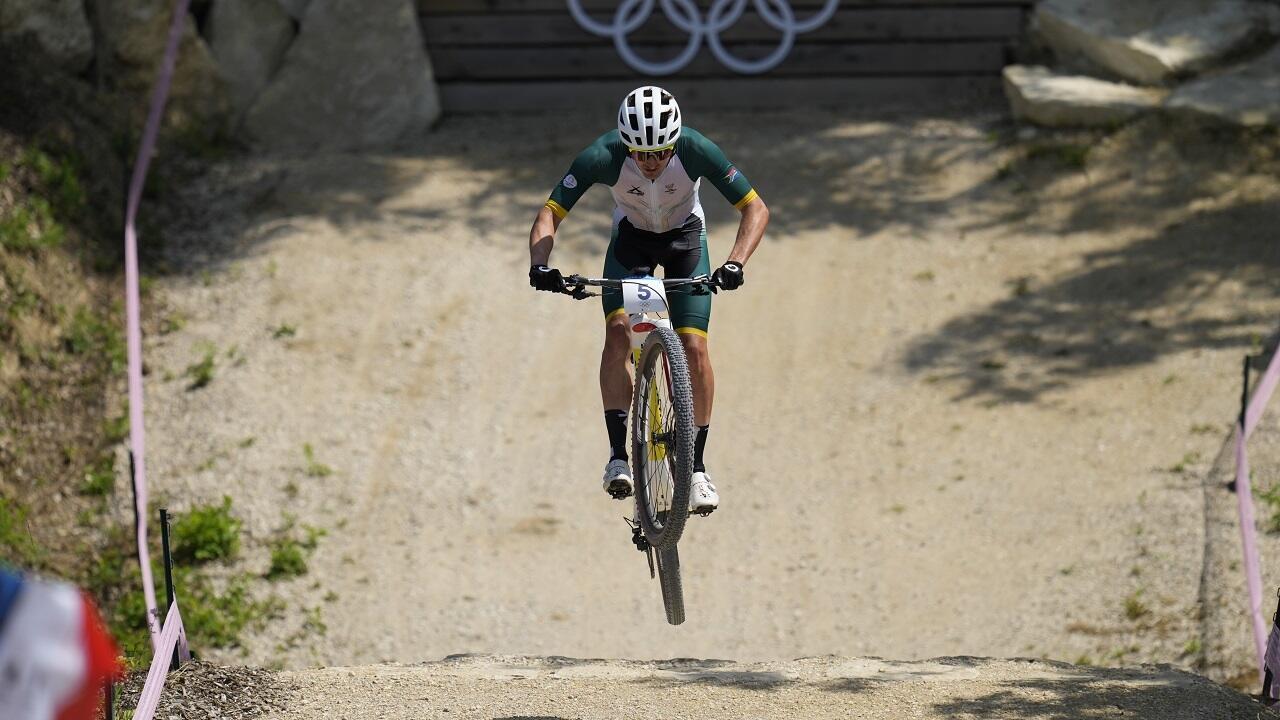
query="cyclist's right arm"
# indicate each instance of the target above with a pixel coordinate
(543, 236)
(599, 162)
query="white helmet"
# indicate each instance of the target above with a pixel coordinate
(649, 119)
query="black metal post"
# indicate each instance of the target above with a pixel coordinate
(168, 571)
(109, 692)
(1244, 394)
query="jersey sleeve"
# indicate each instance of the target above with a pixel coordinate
(596, 164)
(703, 158)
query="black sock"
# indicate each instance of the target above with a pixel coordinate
(616, 422)
(699, 445)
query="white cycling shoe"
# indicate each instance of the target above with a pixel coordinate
(703, 498)
(617, 479)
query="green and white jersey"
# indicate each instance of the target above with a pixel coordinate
(653, 205)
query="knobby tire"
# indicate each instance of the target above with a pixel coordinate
(663, 528)
(672, 589)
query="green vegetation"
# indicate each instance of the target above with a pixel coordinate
(1134, 608)
(285, 330)
(201, 373)
(1070, 155)
(216, 607)
(37, 221)
(313, 468)
(92, 334)
(116, 429)
(1185, 463)
(1192, 647)
(15, 541)
(1271, 499)
(172, 323)
(206, 533)
(289, 554)
(100, 479)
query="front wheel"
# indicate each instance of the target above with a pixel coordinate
(672, 589)
(662, 437)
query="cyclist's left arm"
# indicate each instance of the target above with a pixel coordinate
(703, 158)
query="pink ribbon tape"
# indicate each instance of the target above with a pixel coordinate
(1244, 505)
(169, 636)
(133, 304)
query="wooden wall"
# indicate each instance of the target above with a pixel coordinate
(517, 55)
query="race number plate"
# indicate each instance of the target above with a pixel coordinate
(644, 295)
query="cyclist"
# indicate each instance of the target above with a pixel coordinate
(654, 166)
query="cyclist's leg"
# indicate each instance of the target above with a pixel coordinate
(615, 370)
(691, 316)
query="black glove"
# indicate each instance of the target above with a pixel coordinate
(729, 276)
(545, 278)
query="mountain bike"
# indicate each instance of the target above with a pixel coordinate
(662, 427)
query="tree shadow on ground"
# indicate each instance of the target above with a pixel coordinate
(1124, 307)
(1110, 693)
(740, 679)
(856, 173)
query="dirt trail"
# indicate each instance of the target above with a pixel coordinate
(963, 397)
(507, 688)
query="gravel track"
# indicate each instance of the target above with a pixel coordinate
(973, 419)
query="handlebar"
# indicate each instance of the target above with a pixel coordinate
(576, 285)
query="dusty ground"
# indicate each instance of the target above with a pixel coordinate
(508, 688)
(966, 396)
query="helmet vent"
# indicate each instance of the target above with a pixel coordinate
(649, 119)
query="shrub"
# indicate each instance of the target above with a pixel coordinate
(207, 533)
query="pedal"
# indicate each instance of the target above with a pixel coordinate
(703, 512)
(619, 491)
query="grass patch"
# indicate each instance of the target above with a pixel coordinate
(201, 372)
(206, 533)
(1071, 155)
(172, 323)
(284, 330)
(1185, 463)
(115, 430)
(1271, 499)
(313, 467)
(289, 553)
(31, 227)
(100, 478)
(60, 177)
(15, 541)
(91, 334)
(1134, 608)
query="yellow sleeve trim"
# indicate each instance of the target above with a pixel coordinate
(615, 313)
(746, 199)
(561, 212)
(691, 331)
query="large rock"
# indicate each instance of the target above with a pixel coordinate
(134, 33)
(1041, 96)
(1247, 95)
(59, 28)
(357, 76)
(1151, 41)
(248, 39)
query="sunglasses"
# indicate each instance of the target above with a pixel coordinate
(654, 155)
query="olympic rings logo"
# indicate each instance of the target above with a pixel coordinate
(684, 14)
